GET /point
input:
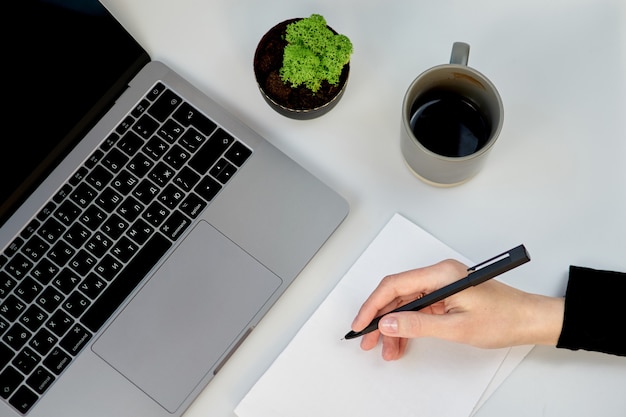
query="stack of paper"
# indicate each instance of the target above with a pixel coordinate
(318, 374)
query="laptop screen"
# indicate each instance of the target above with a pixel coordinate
(66, 61)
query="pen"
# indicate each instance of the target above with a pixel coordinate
(477, 275)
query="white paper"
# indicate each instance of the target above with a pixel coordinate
(318, 374)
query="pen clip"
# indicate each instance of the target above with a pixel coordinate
(516, 255)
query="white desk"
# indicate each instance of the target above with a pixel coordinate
(556, 180)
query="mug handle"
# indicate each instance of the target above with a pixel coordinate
(460, 53)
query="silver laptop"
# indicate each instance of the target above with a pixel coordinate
(144, 231)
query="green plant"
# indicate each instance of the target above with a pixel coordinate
(314, 54)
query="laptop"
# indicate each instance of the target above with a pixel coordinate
(144, 231)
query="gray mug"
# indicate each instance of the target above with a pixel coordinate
(451, 118)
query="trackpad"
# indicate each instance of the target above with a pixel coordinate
(187, 317)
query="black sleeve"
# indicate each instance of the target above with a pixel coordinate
(595, 311)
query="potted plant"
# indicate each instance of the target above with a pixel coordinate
(301, 67)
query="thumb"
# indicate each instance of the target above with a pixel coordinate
(416, 324)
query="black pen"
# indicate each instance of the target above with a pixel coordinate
(477, 275)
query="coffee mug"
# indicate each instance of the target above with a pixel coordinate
(451, 118)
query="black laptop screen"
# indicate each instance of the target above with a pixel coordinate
(63, 58)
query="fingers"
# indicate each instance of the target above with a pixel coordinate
(416, 324)
(399, 289)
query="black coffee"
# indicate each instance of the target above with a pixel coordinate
(449, 124)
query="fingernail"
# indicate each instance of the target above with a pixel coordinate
(389, 325)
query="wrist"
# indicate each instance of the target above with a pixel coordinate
(545, 315)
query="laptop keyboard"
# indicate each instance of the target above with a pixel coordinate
(74, 264)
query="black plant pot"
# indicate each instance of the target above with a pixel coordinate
(297, 103)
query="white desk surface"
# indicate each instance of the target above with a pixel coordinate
(555, 181)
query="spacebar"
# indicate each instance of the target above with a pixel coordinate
(125, 282)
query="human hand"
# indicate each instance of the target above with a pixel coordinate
(489, 315)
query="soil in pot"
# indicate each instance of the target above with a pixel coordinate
(267, 63)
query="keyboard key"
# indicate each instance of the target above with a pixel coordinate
(99, 177)
(30, 229)
(59, 323)
(115, 160)
(145, 126)
(12, 307)
(44, 271)
(14, 247)
(28, 290)
(94, 158)
(125, 125)
(78, 176)
(170, 131)
(175, 225)
(223, 171)
(66, 281)
(176, 157)
(208, 188)
(155, 148)
(40, 380)
(77, 235)
(76, 304)
(6, 284)
(82, 262)
(124, 249)
(238, 153)
(83, 195)
(62, 193)
(130, 143)
(51, 230)
(99, 244)
(189, 116)
(6, 354)
(109, 142)
(67, 212)
(155, 91)
(192, 140)
(10, 379)
(49, 299)
(108, 200)
(57, 360)
(43, 341)
(16, 336)
(75, 339)
(35, 248)
(114, 227)
(18, 266)
(93, 217)
(26, 360)
(140, 165)
(46, 211)
(171, 196)
(140, 108)
(124, 182)
(140, 231)
(34, 318)
(192, 206)
(108, 267)
(129, 278)
(210, 152)
(186, 179)
(23, 399)
(155, 214)
(164, 105)
(92, 286)
(146, 191)
(61, 253)
(130, 209)
(161, 174)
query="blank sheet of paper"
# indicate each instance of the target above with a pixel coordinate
(318, 374)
